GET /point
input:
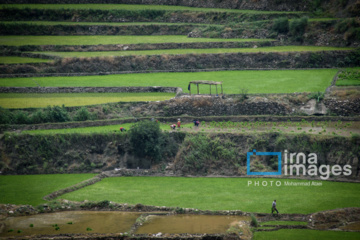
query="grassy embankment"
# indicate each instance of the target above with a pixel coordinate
(283, 223)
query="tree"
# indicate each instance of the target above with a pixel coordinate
(145, 139)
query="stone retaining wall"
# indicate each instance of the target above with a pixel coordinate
(346, 107)
(35, 29)
(325, 59)
(125, 47)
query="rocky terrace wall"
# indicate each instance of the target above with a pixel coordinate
(125, 47)
(343, 107)
(34, 29)
(325, 59)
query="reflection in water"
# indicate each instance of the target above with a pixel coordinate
(98, 221)
(189, 224)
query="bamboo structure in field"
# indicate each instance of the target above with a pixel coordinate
(206, 82)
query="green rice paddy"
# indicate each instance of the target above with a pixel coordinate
(271, 81)
(15, 40)
(221, 194)
(30, 189)
(41, 100)
(137, 7)
(53, 23)
(19, 60)
(195, 51)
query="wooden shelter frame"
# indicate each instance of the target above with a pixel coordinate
(206, 82)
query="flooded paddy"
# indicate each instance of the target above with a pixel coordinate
(69, 222)
(185, 223)
(82, 222)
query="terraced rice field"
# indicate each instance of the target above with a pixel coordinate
(267, 81)
(109, 39)
(195, 51)
(42, 100)
(130, 7)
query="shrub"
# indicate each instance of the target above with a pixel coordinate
(82, 115)
(57, 114)
(317, 96)
(21, 117)
(204, 152)
(297, 28)
(6, 117)
(254, 221)
(144, 139)
(243, 94)
(281, 25)
(38, 117)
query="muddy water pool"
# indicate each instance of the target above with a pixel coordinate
(185, 223)
(70, 222)
(80, 222)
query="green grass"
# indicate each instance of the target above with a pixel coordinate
(53, 23)
(236, 127)
(30, 189)
(39, 100)
(300, 234)
(133, 7)
(195, 51)
(110, 39)
(221, 194)
(322, 19)
(99, 129)
(349, 77)
(272, 81)
(15, 60)
(284, 223)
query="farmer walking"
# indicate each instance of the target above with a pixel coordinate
(274, 207)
